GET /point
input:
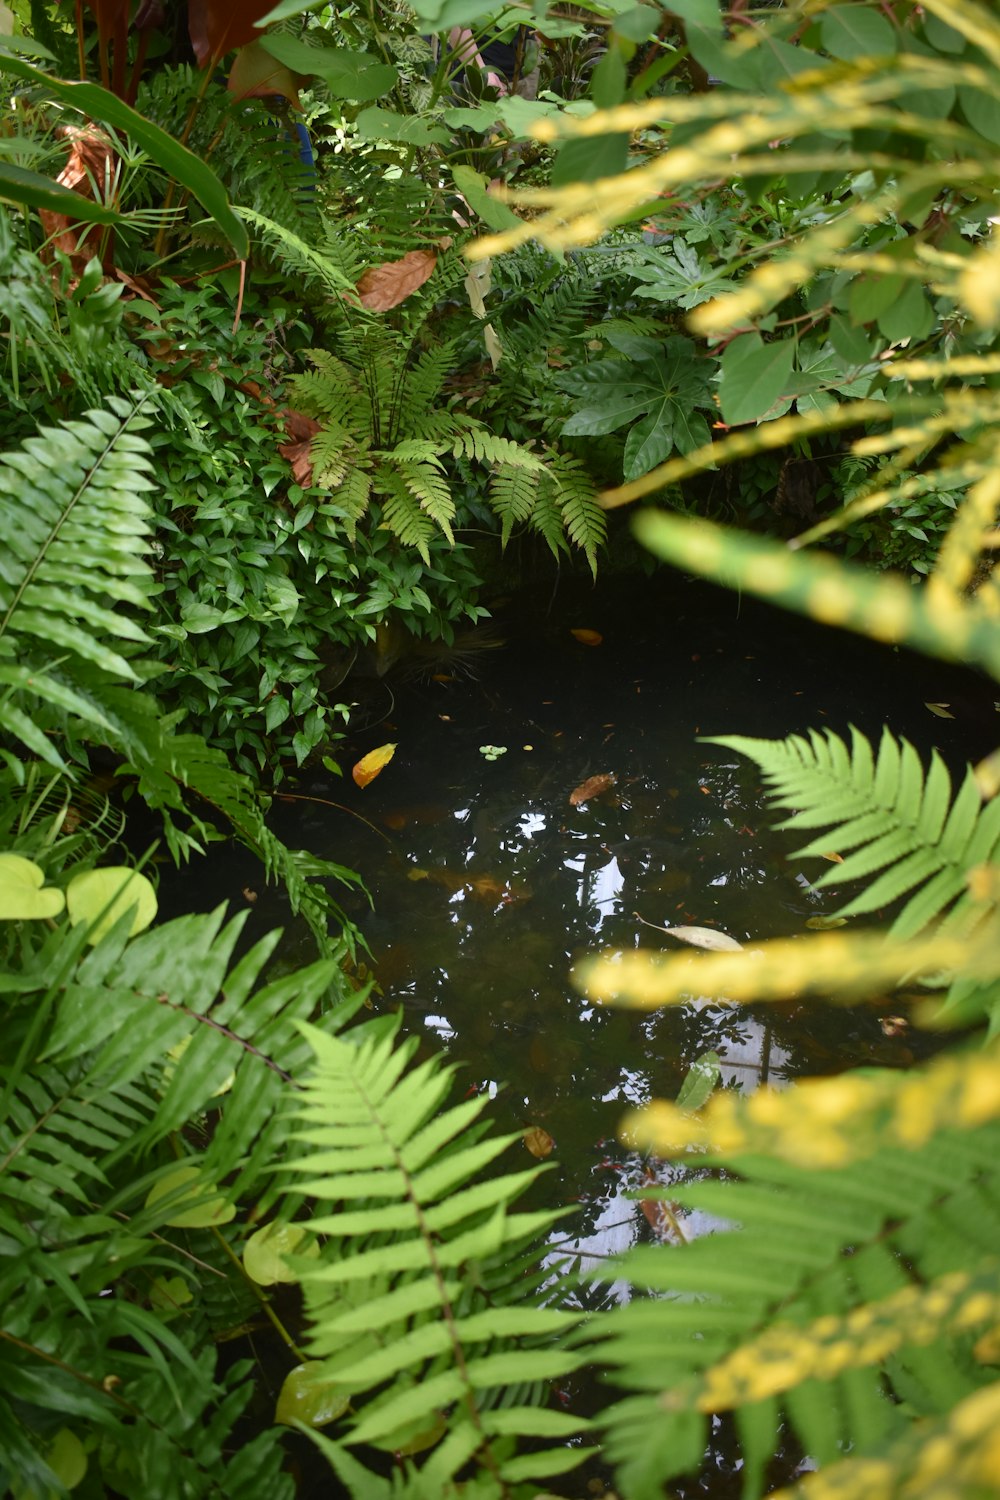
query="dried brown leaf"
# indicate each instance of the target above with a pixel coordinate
(386, 286)
(591, 788)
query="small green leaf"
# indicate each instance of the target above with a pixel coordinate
(22, 898)
(347, 74)
(193, 1206)
(266, 1252)
(102, 896)
(307, 1398)
(67, 1459)
(754, 375)
(702, 1077)
(375, 124)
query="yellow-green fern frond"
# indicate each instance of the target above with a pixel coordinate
(512, 496)
(584, 518)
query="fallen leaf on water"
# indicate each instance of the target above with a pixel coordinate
(825, 924)
(538, 1141)
(835, 859)
(592, 787)
(706, 937)
(587, 637)
(940, 709)
(372, 764)
(386, 286)
(893, 1025)
(249, 894)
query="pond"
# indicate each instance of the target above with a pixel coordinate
(488, 882)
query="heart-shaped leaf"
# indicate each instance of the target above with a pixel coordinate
(22, 898)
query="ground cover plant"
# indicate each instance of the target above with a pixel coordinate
(172, 1105)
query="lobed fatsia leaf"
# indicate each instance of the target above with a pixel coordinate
(407, 1313)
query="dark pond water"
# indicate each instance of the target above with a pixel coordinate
(488, 884)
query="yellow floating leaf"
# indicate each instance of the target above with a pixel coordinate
(941, 710)
(372, 764)
(265, 1254)
(192, 1206)
(825, 924)
(587, 637)
(102, 896)
(22, 898)
(306, 1397)
(539, 1142)
(835, 859)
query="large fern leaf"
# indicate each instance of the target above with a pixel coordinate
(885, 815)
(830, 1297)
(402, 1316)
(74, 517)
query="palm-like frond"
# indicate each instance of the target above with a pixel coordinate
(893, 817)
(416, 1234)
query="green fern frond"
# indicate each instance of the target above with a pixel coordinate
(400, 1317)
(335, 455)
(403, 514)
(350, 502)
(886, 811)
(479, 443)
(512, 496)
(817, 1296)
(426, 483)
(299, 255)
(73, 510)
(585, 520)
(547, 519)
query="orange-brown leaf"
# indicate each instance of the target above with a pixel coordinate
(587, 637)
(591, 788)
(539, 1142)
(301, 431)
(383, 287)
(372, 764)
(218, 26)
(255, 74)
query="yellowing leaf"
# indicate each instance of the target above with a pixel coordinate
(372, 764)
(192, 1207)
(587, 637)
(591, 788)
(386, 286)
(107, 894)
(22, 898)
(941, 710)
(306, 1397)
(539, 1142)
(835, 859)
(705, 937)
(825, 924)
(265, 1252)
(67, 1459)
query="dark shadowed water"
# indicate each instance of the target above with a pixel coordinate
(488, 884)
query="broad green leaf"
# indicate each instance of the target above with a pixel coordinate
(22, 898)
(67, 1459)
(754, 376)
(102, 896)
(473, 187)
(266, 1252)
(588, 158)
(850, 31)
(193, 1206)
(910, 316)
(872, 295)
(638, 23)
(347, 74)
(982, 110)
(376, 124)
(307, 1398)
(176, 160)
(698, 13)
(20, 185)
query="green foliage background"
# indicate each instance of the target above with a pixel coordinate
(792, 270)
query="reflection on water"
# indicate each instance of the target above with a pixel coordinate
(489, 883)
